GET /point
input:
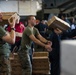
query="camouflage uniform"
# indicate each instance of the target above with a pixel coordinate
(5, 68)
(24, 51)
(25, 62)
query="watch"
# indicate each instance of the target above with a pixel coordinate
(13, 29)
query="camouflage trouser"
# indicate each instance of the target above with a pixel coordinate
(5, 68)
(25, 62)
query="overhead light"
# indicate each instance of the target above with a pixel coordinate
(6, 0)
